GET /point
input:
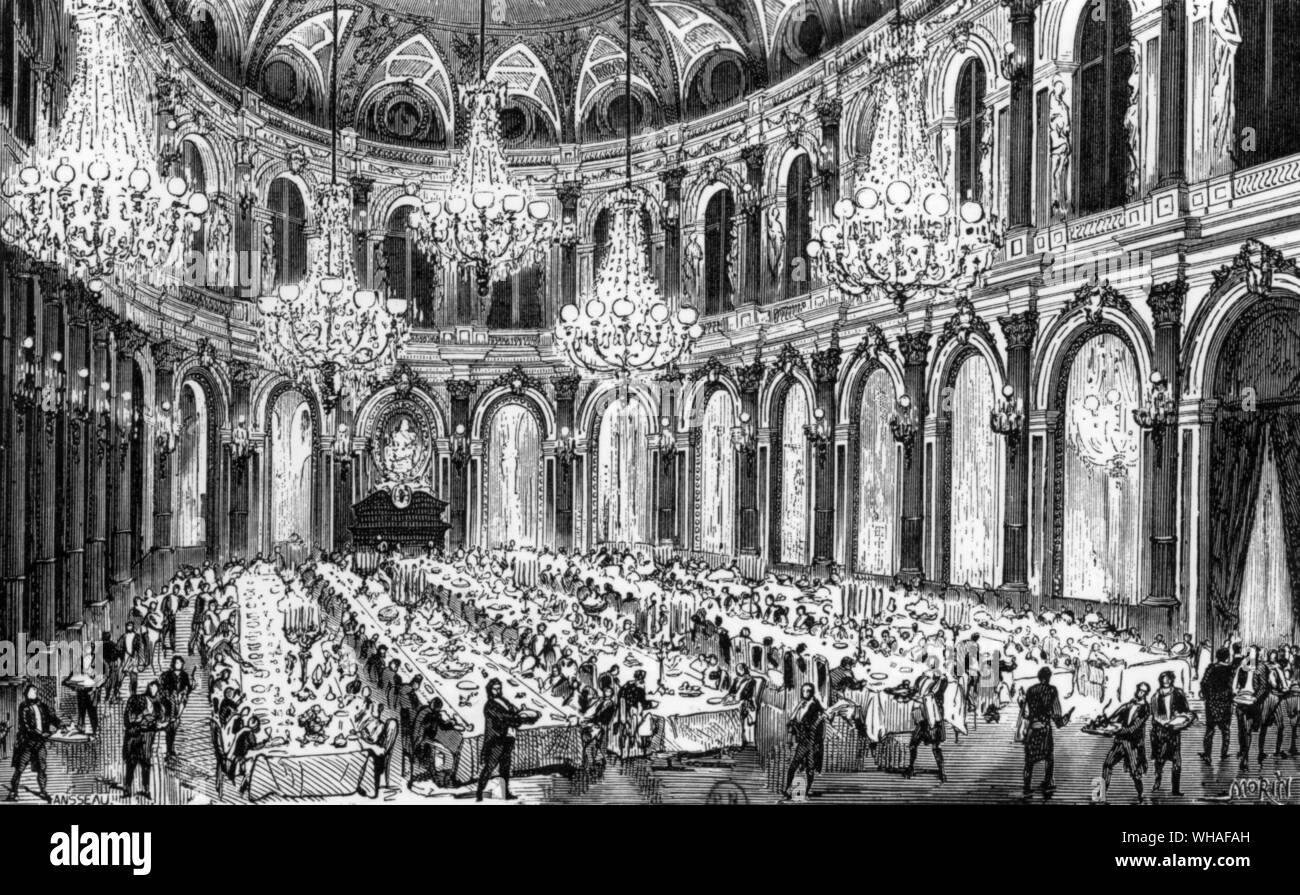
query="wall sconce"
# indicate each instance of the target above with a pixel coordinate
(342, 442)
(53, 392)
(664, 439)
(166, 430)
(672, 212)
(818, 433)
(127, 420)
(1015, 68)
(566, 447)
(459, 446)
(1157, 412)
(744, 437)
(241, 440)
(568, 235)
(25, 380)
(903, 426)
(79, 397)
(1007, 418)
(104, 423)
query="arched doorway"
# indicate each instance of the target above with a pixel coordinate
(291, 434)
(1254, 475)
(1098, 457)
(975, 478)
(623, 474)
(878, 485)
(717, 474)
(513, 477)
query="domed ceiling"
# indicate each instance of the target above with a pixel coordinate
(402, 60)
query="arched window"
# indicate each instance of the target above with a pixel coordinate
(22, 50)
(1267, 69)
(191, 168)
(203, 32)
(975, 524)
(7, 67)
(292, 474)
(408, 272)
(623, 474)
(517, 301)
(1101, 101)
(717, 474)
(288, 231)
(796, 486)
(878, 481)
(970, 130)
(798, 227)
(719, 217)
(600, 238)
(513, 476)
(190, 500)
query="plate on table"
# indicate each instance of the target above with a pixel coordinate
(879, 676)
(840, 645)
(907, 669)
(715, 700)
(389, 614)
(467, 685)
(259, 688)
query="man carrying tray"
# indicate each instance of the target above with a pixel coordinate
(1169, 715)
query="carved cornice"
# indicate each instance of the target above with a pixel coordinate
(1255, 263)
(1020, 329)
(712, 369)
(517, 380)
(1166, 301)
(1094, 297)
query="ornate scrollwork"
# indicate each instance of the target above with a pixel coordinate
(1256, 263)
(1094, 297)
(517, 380)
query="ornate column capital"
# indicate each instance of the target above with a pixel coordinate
(672, 179)
(243, 373)
(749, 377)
(753, 157)
(1166, 301)
(1021, 9)
(566, 386)
(829, 111)
(166, 355)
(129, 337)
(568, 192)
(1020, 329)
(826, 363)
(914, 348)
(461, 389)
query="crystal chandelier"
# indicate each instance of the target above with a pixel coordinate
(91, 201)
(488, 220)
(626, 326)
(900, 236)
(326, 331)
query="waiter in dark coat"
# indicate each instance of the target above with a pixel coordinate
(36, 721)
(1129, 744)
(176, 689)
(143, 718)
(1042, 713)
(501, 721)
(806, 725)
(1167, 741)
(1216, 690)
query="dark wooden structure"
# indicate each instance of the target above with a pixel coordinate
(377, 520)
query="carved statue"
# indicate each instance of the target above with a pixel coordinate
(775, 239)
(1133, 126)
(692, 261)
(986, 154)
(1059, 144)
(379, 281)
(1223, 112)
(268, 259)
(220, 254)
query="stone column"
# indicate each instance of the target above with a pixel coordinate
(128, 339)
(825, 369)
(165, 357)
(566, 389)
(19, 288)
(1019, 330)
(45, 512)
(828, 113)
(672, 179)
(1171, 156)
(460, 391)
(568, 193)
(99, 432)
(752, 207)
(80, 448)
(1020, 71)
(1166, 300)
(242, 377)
(914, 348)
(669, 466)
(749, 379)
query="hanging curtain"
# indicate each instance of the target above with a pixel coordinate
(1237, 459)
(794, 477)
(974, 554)
(191, 481)
(1265, 604)
(1101, 519)
(877, 477)
(1286, 454)
(514, 458)
(717, 474)
(623, 486)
